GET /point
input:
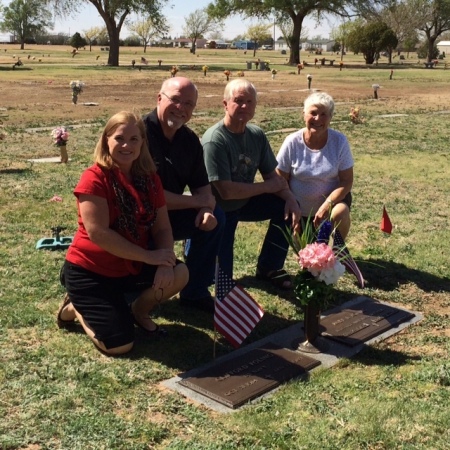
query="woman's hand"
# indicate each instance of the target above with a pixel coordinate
(161, 257)
(164, 277)
(322, 214)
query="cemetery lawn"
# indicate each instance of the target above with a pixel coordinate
(58, 392)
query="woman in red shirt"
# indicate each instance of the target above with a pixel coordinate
(123, 244)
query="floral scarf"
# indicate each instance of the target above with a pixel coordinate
(135, 208)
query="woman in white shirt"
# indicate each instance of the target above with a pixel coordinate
(318, 164)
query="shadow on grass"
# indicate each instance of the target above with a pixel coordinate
(249, 281)
(387, 275)
(189, 342)
(14, 171)
(373, 356)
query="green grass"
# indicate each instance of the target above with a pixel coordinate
(59, 393)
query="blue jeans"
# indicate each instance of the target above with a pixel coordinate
(275, 246)
(203, 249)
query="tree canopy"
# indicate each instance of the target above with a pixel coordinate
(91, 34)
(258, 33)
(145, 28)
(295, 10)
(434, 20)
(25, 19)
(114, 13)
(197, 24)
(370, 39)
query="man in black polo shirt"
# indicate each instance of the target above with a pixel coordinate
(178, 156)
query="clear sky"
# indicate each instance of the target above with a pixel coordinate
(175, 13)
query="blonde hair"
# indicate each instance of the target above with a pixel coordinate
(144, 164)
(236, 85)
(320, 99)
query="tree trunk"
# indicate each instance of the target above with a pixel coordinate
(113, 29)
(113, 56)
(431, 41)
(294, 55)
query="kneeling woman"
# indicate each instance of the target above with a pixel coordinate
(123, 244)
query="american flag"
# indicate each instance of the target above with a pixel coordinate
(341, 252)
(235, 313)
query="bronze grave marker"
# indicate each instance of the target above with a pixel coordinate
(361, 322)
(245, 377)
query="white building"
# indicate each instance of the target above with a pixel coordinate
(444, 47)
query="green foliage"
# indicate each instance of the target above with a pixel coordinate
(26, 19)
(132, 41)
(370, 39)
(422, 51)
(76, 41)
(291, 10)
(114, 15)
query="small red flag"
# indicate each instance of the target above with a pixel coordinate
(386, 224)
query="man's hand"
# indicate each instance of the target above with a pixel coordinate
(275, 184)
(204, 200)
(291, 208)
(205, 220)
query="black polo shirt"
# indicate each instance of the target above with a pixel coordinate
(180, 162)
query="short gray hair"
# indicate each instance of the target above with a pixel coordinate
(236, 85)
(319, 99)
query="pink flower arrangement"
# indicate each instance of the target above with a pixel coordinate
(60, 136)
(320, 260)
(319, 263)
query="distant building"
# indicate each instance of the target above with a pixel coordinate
(444, 47)
(244, 45)
(217, 44)
(7, 38)
(324, 45)
(309, 45)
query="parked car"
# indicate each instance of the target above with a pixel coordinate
(266, 47)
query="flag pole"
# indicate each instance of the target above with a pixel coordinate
(216, 281)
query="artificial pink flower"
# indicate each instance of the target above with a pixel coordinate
(320, 261)
(316, 256)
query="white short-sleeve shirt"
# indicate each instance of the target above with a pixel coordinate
(314, 173)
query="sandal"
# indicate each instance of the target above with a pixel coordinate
(157, 332)
(279, 278)
(59, 320)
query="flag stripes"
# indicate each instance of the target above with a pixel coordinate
(342, 253)
(236, 313)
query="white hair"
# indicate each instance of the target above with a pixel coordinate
(319, 99)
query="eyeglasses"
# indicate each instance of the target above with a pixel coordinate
(177, 102)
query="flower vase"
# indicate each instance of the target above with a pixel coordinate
(64, 155)
(311, 325)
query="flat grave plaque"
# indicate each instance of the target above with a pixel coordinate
(245, 377)
(361, 322)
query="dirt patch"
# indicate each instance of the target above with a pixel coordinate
(44, 102)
